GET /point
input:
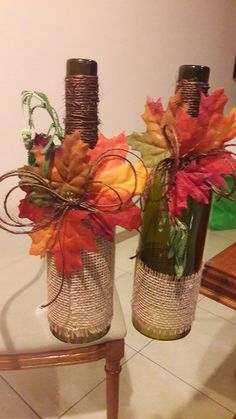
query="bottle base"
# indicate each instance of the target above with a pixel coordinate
(158, 334)
(64, 337)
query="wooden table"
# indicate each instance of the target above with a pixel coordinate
(219, 277)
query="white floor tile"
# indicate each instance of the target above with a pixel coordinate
(124, 285)
(149, 392)
(218, 309)
(12, 406)
(206, 358)
(125, 250)
(51, 391)
(200, 297)
(118, 272)
(217, 241)
(230, 234)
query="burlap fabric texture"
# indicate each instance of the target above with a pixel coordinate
(162, 304)
(83, 310)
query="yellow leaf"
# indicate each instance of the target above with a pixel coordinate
(43, 240)
(122, 179)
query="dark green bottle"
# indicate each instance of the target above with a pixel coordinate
(154, 249)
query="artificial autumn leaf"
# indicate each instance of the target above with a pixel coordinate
(104, 144)
(104, 224)
(69, 171)
(152, 144)
(197, 178)
(210, 130)
(70, 168)
(153, 110)
(43, 240)
(224, 131)
(212, 106)
(192, 181)
(218, 167)
(152, 116)
(101, 226)
(75, 237)
(112, 186)
(130, 219)
(34, 213)
(35, 193)
(150, 153)
(67, 237)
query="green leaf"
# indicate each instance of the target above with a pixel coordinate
(37, 195)
(151, 154)
(162, 221)
(31, 159)
(27, 97)
(41, 198)
(178, 237)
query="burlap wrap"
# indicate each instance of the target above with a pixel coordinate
(83, 310)
(162, 304)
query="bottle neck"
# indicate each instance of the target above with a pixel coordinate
(192, 82)
(81, 100)
(191, 94)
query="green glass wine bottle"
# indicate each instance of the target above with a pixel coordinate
(73, 316)
(154, 310)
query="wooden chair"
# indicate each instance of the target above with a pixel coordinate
(25, 338)
(219, 277)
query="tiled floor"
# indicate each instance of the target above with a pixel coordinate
(192, 378)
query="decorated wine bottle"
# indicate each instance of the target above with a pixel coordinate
(167, 279)
(82, 311)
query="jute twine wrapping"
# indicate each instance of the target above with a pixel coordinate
(83, 310)
(162, 303)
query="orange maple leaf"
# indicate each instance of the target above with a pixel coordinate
(104, 144)
(70, 166)
(65, 239)
(156, 118)
(211, 129)
(115, 180)
(43, 240)
(69, 169)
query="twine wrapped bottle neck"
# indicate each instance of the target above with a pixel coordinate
(192, 81)
(191, 94)
(81, 100)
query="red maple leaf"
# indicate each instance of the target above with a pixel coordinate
(34, 213)
(104, 224)
(196, 178)
(210, 130)
(191, 181)
(218, 167)
(65, 239)
(73, 237)
(104, 144)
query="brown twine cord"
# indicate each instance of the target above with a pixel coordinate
(163, 303)
(81, 101)
(191, 94)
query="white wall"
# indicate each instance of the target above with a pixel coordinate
(139, 45)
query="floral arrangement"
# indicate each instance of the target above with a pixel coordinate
(190, 155)
(72, 193)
